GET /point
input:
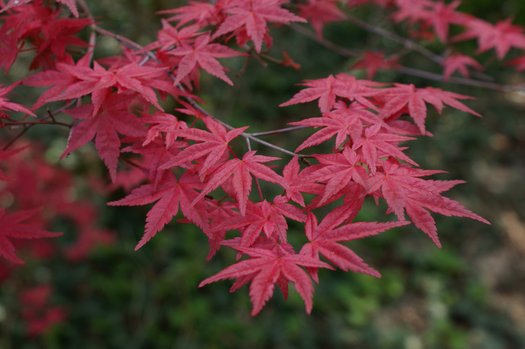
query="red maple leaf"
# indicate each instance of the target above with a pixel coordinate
(376, 144)
(202, 13)
(337, 171)
(163, 123)
(253, 15)
(74, 81)
(459, 62)
(6, 105)
(18, 225)
(241, 171)
(501, 36)
(328, 89)
(412, 10)
(168, 195)
(325, 239)
(404, 190)
(112, 119)
(372, 62)
(170, 37)
(442, 15)
(343, 122)
(408, 96)
(296, 184)
(320, 12)
(265, 267)
(214, 146)
(203, 54)
(262, 217)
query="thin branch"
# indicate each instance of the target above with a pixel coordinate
(327, 43)
(407, 43)
(93, 34)
(17, 137)
(457, 80)
(278, 131)
(413, 71)
(33, 123)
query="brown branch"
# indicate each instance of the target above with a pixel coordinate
(413, 71)
(93, 34)
(33, 123)
(407, 43)
(278, 131)
(17, 137)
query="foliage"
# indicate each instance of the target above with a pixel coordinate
(120, 103)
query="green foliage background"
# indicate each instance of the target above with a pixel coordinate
(467, 295)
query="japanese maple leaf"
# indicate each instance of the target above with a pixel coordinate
(296, 184)
(322, 89)
(163, 123)
(342, 122)
(18, 225)
(56, 37)
(203, 54)
(168, 195)
(415, 100)
(264, 268)
(412, 10)
(214, 145)
(325, 239)
(328, 89)
(201, 13)
(253, 16)
(376, 143)
(337, 171)
(263, 217)
(170, 37)
(501, 36)
(372, 62)
(404, 190)
(320, 12)
(460, 63)
(6, 105)
(241, 171)
(153, 156)
(74, 81)
(442, 15)
(112, 119)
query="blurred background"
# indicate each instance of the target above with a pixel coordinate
(469, 294)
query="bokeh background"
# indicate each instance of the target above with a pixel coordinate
(469, 294)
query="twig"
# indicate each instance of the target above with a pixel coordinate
(413, 71)
(407, 43)
(92, 35)
(461, 81)
(278, 131)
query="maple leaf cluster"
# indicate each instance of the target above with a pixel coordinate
(186, 163)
